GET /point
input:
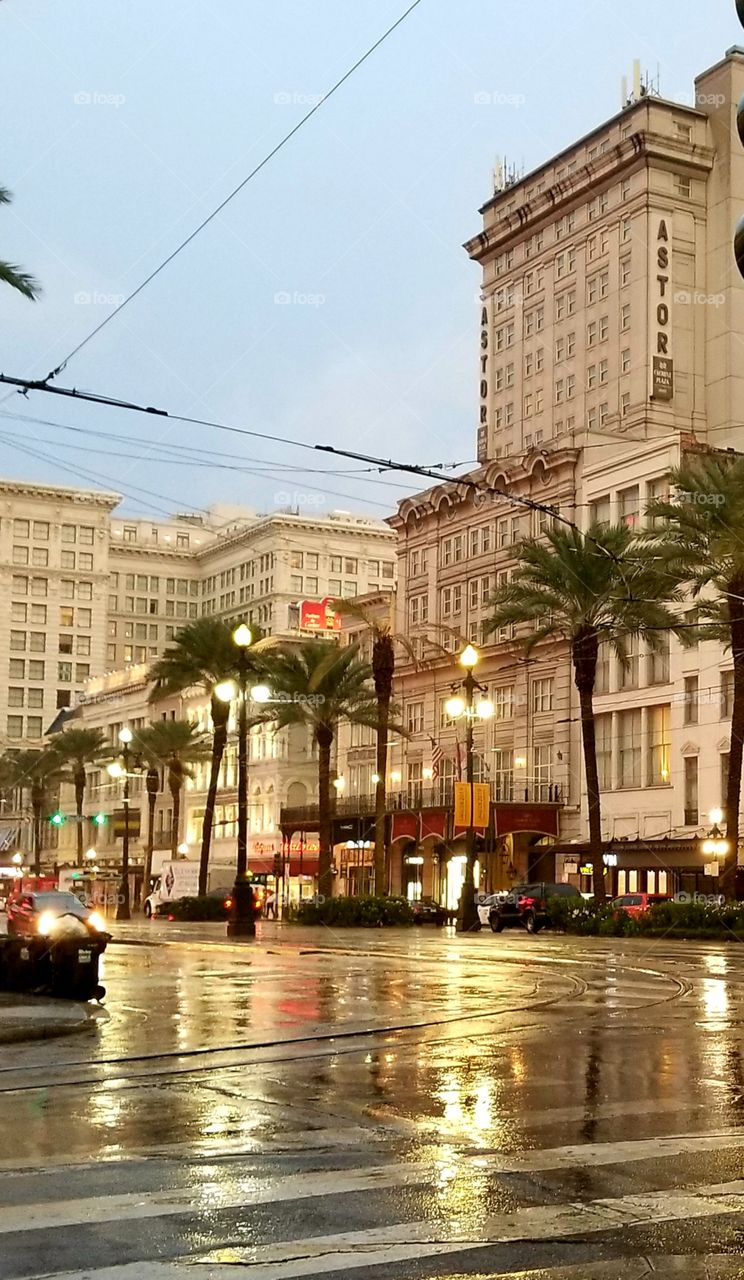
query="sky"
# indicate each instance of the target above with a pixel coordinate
(331, 302)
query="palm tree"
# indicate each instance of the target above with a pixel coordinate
(76, 749)
(174, 745)
(11, 275)
(383, 672)
(699, 539)
(587, 589)
(203, 655)
(317, 683)
(33, 771)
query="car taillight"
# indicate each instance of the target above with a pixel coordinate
(228, 902)
(526, 902)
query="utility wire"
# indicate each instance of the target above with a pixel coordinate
(236, 190)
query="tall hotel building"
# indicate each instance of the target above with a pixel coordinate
(610, 343)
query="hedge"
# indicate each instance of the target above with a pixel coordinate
(365, 912)
(696, 919)
(195, 908)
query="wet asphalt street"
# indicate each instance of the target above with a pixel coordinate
(383, 1105)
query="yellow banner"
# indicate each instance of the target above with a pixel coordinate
(481, 804)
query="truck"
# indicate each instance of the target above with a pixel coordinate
(179, 878)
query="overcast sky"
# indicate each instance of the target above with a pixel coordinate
(332, 301)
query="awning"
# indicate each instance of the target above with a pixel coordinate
(540, 818)
(405, 826)
(434, 824)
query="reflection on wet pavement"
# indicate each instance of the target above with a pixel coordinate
(422, 1094)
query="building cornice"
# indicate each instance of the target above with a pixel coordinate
(279, 523)
(51, 493)
(502, 473)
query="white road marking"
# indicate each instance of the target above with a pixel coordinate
(384, 1246)
(213, 1195)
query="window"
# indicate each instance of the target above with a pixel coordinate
(64, 697)
(388, 569)
(111, 653)
(591, 334)
(41, 531)
(418, 609)
(658, 766)
(15, 696)
(64, 671)
(691, 816)
(17, 669)
(36, 669)
(36, 698)
(312, 585)
(67, 559)
(129, 533)
(542, 695)
(629, 669)
(691, 700)
(625, 317)
(15, 726)
(629, 748)
(33, 727)
(18, 640)
(602, 680)
(82, 671)
(68, 533)
(486, 538)
(415, 717)
(682, 185)
(65, 644)
(527, 411)
(658, 663)
(591, 377)
(726, 693)
(295, 582)
(625, 360)
(509, 375)
(502, 773)
(20, 555)
(603, 737)
(40, 557)
(182, 540)
(629, 506)
(66, 616)
(84, 618)
(85, 561)
(85, 535)
(503, 702)
(82, 646)
(334, 586)
(625, 272)
(626, 230)
(19, 611)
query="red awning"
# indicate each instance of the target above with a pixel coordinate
(540, 818)
(434, 824)
(405, 825)
(265, 866)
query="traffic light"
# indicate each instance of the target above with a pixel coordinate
(57, 819)
(100, 820)
(739, 233)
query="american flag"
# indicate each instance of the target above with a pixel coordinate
(436, 760)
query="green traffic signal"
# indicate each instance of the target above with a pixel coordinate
(100, 819)
(57, 819)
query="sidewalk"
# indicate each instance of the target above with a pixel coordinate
(38, 1018)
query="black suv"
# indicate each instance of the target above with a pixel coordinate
(527, 905)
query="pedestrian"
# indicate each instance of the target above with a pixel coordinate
(270, 905)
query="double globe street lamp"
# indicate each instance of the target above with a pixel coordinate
(242, 922)
(459, 707)
(120, 769)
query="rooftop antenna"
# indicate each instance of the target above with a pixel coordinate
(637, 82)
(624, 97)
(498, 176)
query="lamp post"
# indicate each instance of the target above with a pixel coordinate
(120, 769)
(715, 843)
(242, 921)
(467, 912)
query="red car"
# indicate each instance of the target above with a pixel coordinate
(633, 904)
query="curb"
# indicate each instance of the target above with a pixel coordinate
(19, 1032)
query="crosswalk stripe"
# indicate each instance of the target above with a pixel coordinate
(404, 1242)
(253, 1190)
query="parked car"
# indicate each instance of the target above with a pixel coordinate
(52, 913)
(633, 904)
(527, 905)
(428, 911)
(486, 901)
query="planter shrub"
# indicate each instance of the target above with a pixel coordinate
(195, 908)
(364, 912)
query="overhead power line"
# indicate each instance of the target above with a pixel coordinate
(236, 191)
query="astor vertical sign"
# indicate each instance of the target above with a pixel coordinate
(484, 377)
(660, 276)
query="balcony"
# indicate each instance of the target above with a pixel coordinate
(506, 790)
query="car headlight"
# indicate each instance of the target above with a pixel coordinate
(97, 922)
(47, 922)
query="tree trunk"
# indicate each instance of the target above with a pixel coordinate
(174, 782)
(383, 670)
(736, 749)
(382, 869)
(152, 782)
(220, 717)
(324, 739)
(585, 651)
(79, 803)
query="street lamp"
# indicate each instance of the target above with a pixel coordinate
(120, 769)
(715, 844)
(91, 855)
(456, 707)
(242, 922)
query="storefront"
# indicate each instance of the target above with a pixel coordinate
(642, 866)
